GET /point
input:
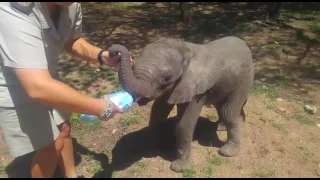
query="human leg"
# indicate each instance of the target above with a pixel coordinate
(46, 160)
(63, 147)
(67, 163)
(31, 128)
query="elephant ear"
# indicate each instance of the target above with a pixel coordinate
(201, 74)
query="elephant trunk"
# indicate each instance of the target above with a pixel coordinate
(128, 81)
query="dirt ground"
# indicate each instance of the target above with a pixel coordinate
(279, 138)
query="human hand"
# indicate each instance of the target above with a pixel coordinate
(114, 109)
(114, 60)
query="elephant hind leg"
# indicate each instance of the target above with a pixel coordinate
(230, 111)
(221, 124)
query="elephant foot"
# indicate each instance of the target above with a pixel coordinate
(230, 149)
(221, 126)
(181, 164)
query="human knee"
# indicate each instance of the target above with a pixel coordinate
(59, 144)
(65, 129)
(53, 148)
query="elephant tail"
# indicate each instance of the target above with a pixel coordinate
(242, 114)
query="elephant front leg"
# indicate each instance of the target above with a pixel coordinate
(159, 111)
(184, 135)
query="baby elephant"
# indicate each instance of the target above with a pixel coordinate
(174, 72)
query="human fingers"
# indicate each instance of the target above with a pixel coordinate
(115, 108)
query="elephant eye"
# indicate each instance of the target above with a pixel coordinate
(166, 78)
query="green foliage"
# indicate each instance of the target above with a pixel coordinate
(83, 127)
(209, 171)
(280, 127)
(216, 160)
(189, 173)
(211, 117)
(306, 152)
(263, 174)
(131, 118)
(304, 119)
(270, 92)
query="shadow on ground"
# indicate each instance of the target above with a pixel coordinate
(129, 149)
(21, 166)
(134, 146)
(135, 25)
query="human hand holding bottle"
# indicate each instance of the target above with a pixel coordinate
(117, 102)
(114, 109)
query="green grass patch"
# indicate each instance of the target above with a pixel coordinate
(212, 117)
(315, 27)
(208, 171)
(111, 75)
(3, 169)
(117, 89)
(131, 118)
(94, 169)
(304, 119)
(263, 174)
(100, 94)
(277, 81)
(306, 152)
(136, 168)
(216, 160)
(271, 47)
(189, 173)
(87, 71)
(270, 92)
(140, 166)
(280, 127)
(265, 120)
(270, 107)
(89, 157)
(83, 127)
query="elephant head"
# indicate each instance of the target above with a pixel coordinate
(162, 68)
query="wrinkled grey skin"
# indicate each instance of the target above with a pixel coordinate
(173, 72)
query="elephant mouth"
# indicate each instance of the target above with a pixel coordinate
(143, 101)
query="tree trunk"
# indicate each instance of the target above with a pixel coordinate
(185, 13)
(274, 9)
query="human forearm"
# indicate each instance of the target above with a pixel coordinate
(61, 96)
(43, 89)
(82, 49)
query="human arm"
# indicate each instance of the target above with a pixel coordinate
(79, 47)
(22, 49)
(41, 87)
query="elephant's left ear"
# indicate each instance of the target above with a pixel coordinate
(197, 79)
